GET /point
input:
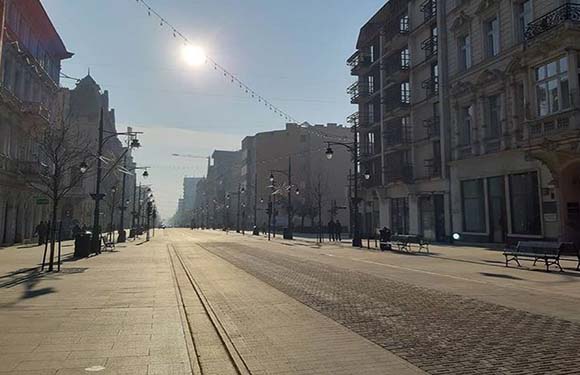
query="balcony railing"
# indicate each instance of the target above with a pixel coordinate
(549, 125)
(431, 86)
(567, 12)
(429, 45)
(359, 60)
(394, 99)
(429, 9)
(357, 91)
(432, 127)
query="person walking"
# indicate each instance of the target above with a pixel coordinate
(41, 230)
(331, 229)
(338, 230)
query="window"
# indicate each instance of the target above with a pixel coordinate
(464, 53)
(493, 116)
(435, 78)
(371, 84)
(525, 204)
(465, 123)
(491, 31)
(524, 17)
(372, 53)
(404, 24)
(405, 58)
(371, 108)
(399, 215)
(370, 143)
(405, 93)
(552, 90)
(473, 206)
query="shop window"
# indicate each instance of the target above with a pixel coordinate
(400, 215)
(525, 204)
(473, 206)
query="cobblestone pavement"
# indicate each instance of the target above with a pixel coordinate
(439, 332)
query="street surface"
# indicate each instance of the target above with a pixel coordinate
(207, 302)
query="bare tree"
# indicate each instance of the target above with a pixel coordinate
(61, 151)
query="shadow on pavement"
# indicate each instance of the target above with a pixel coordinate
(501, 276)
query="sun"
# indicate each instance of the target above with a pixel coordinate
(194, 55)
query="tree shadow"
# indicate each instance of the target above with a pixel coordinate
(31, 278)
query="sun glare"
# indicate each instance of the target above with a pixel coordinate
(194, 55)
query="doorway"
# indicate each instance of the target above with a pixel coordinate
(497, 209)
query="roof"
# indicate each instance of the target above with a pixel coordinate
(41, 20)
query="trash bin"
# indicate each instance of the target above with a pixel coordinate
(83, 245)
(287, 234)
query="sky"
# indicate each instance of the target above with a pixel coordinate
(291, 52)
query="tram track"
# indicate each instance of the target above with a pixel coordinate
(192, 303)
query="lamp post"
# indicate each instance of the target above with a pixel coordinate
(97, 195)
(112, 231)
(135, 200)
(353, 149)
(289, 233)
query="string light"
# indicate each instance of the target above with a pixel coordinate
(176, 33)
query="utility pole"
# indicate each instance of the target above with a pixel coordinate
(289, 208)
(319, 212)
(97, 196)
(239, 194)
(255, 232)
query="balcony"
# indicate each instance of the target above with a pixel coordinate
(358, 61)
(566, 13)
(431, 86)
(432, 127)
(358, 91)
(396, 28)
(429, 9)
(549, 126)
(395, 172)
(429, 45)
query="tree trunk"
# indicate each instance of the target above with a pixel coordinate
(51, 229)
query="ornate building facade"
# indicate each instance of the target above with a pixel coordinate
(30, 59)
(477, 126)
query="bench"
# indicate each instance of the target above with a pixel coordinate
(406, 242)
(107, 245)
(549, 252)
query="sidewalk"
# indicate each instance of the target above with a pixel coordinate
(116, 313)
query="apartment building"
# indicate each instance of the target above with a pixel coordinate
(474, 127)
(514, 122)
(397, 93)
(301, 148)
(31, 52)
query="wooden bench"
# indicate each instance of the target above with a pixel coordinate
(406, 242)
(549, 252)
(107, 245)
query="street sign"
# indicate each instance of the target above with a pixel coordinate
(41, 201)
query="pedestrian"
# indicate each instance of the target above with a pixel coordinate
(42, 233)
(37, 231)
(338, 230)
(331, 229)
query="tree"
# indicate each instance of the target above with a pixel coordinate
(61, 151)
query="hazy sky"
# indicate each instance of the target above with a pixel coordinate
(292, 52)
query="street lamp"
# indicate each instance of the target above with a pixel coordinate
(98, 196)
(353, 149)
(83, 167)
(367, 175)
(113, 193)
(288, 232)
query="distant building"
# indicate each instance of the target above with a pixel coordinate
(31, 52)
(185, 211)
(304, 147)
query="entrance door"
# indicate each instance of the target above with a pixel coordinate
(439, 202)
(497, 209)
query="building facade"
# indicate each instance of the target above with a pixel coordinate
(31, 52)
(473, 127)
(300, 148)
(514, 119)
(398, 117)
